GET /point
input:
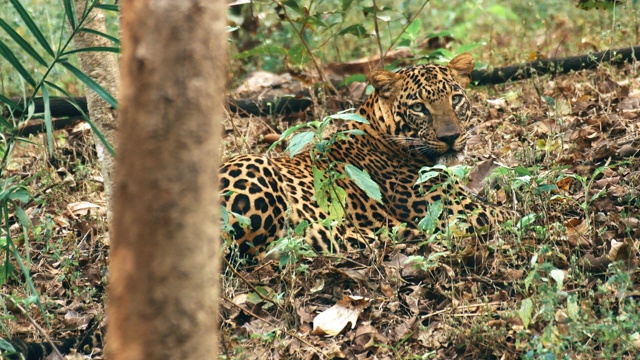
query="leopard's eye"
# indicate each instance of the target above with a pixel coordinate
(455, 100)
(417, 107)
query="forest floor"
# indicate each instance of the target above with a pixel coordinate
(564, 284)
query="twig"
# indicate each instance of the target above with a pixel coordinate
(448, 309)
(290, 333)
(253, 288)
(375, 24)
(406, 26)
(38, 327)
(323, 78)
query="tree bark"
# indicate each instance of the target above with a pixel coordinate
(102, 67)
(165, 257)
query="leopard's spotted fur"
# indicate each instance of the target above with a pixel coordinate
(415, 119)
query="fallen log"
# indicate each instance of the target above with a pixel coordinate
(63, 107)
(553, 66)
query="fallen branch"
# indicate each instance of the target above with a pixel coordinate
(554, 66)
(64, 107)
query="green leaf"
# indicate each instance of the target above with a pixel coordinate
(345, 5)
(113, 39)
(11, 58)
(109, 7)
(285, 134)
(350, 116)
(299, 141)
(429, 222)
(32, 26)
(364, 182)
(298, 55)
(522, 171)
(354, 78)
(356, 30)
(104, 94)
(70, 13)
(413, 29)
(95, 130)
(93, 49)
(573, 309)
(22, 43)
(546, 188)
(526, 310)
(468, 47)
(426, 176)
(338, 201)
(20, 195)
(526, 221)
(23, 219)
(47, 118)
(12, 104)
(529, 279)
(4, 344)
(244, 221)
(301, 227)
(442, 33)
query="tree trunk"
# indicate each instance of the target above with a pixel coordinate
(163, 285)
(102, 67)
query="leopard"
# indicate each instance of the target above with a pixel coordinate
(414, 119)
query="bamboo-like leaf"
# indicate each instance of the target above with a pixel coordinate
(114, 39)
(70, 13)
(95, 130)
(47, 118)
(22, 42)
(7, 54)
(108, 7)
(32, 26)
(104, 94)
(12, 104)
(93, 49)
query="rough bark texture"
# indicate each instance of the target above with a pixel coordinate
(165, 242)
(102, 67)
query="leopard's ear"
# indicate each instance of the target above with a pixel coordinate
(386, 83)
(462, 65)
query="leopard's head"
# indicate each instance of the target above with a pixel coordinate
(420, 109)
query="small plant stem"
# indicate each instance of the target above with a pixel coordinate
(323, 77)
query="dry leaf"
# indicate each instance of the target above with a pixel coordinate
(81, 208)
(577, 232)
(332, 321)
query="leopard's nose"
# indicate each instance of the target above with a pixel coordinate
(449, 139)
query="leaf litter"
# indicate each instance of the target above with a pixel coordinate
(579, 137)
(576, 137)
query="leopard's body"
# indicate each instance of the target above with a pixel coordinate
(415, 119)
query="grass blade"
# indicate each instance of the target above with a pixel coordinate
(7, 54)
(32, 26)
(22, 42)
(86, 118)
(47, 118)
(91, 84)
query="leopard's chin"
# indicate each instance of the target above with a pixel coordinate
(450, 158)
